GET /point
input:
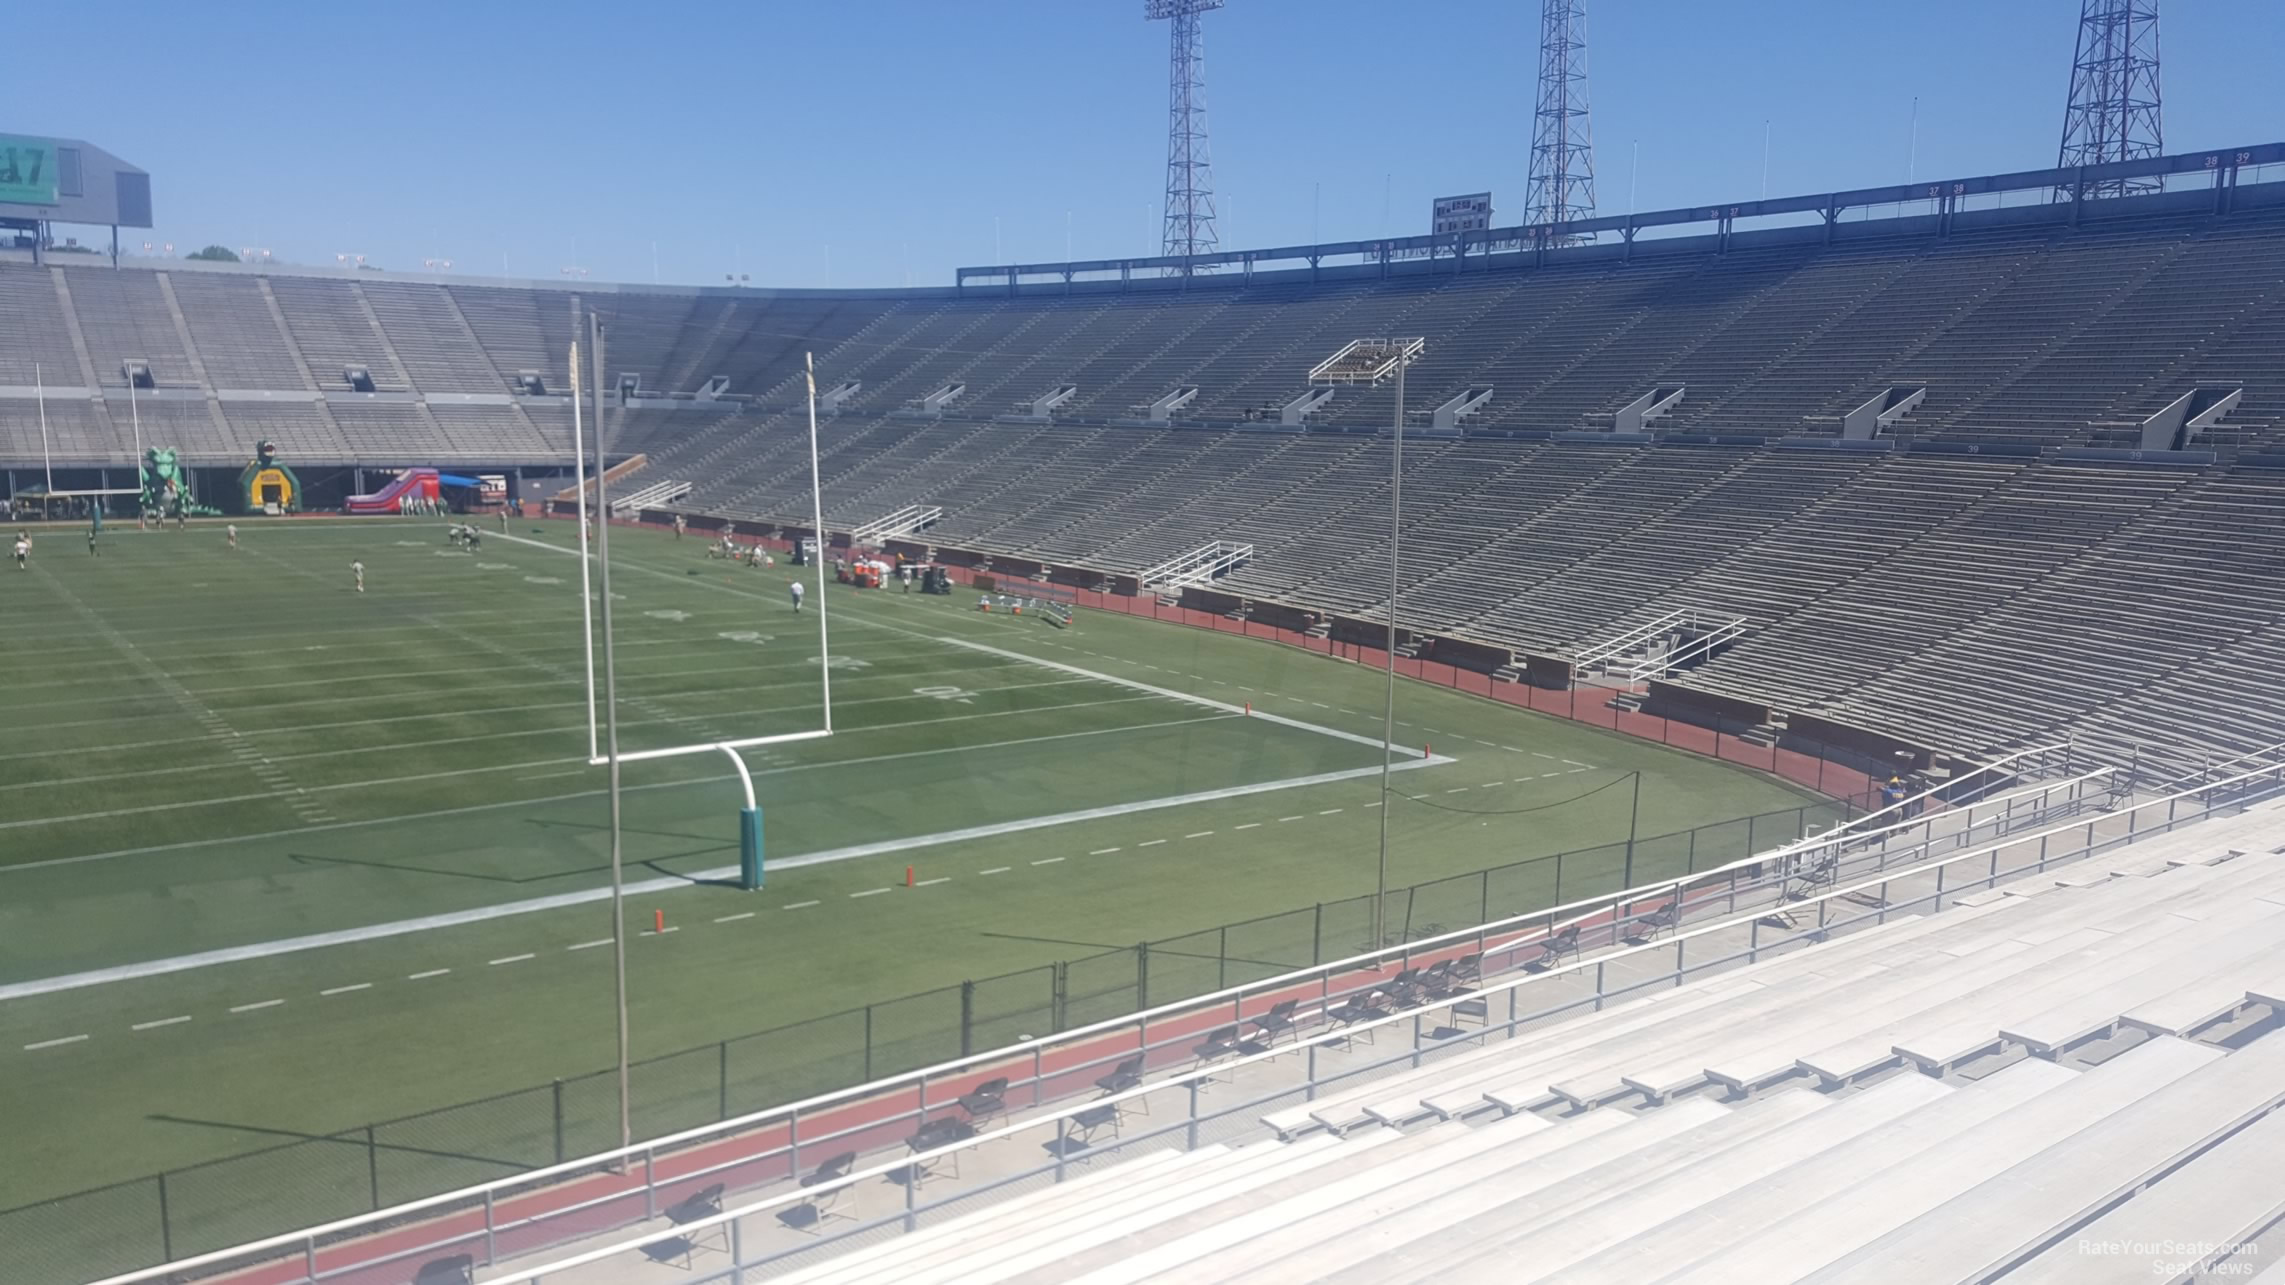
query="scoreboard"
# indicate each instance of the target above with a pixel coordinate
(27, 170)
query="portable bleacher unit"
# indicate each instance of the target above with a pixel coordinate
(1052, 603)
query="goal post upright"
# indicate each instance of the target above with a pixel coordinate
(586, 593)
(817, 522)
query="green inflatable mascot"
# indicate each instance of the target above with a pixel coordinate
(166, 486)
(268, 486)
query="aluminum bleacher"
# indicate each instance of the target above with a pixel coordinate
(1934, 589)
(1689, 1144)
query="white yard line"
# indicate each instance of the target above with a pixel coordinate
(433, 972)
(930, 883)
(49, 1044)
(869, 892)
(1047, 861)
(731, 919)
(248, 1008)
(344, 990)
(802, 905)
(512, 959)
(164, 1021)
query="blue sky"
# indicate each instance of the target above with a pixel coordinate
(870, 142)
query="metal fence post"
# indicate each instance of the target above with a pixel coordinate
(722, 1100)
(1484, 897)
(1317, 937)
(166, 1229)
(373, 1165)
(558, 1094)
(967, 1018)
(1222, 960)
(1142, 976)
(868, 1044)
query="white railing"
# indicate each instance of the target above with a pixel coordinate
(649, 497)
(1695, 648)
(1832, 909)
(494, 1215)
(897, 525)
(1195, 567)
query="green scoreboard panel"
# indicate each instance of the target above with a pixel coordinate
(27, 170)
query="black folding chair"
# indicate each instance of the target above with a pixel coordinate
(1665, 918)
(986, 1099)
(940, 1132)
(1079, 1134)
(1277, 1021)
(1552, 951)
(703, 1203)
(1372, 1005)
(807, 1215)
(460, 1269)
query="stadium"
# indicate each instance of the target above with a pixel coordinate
(1741, 741)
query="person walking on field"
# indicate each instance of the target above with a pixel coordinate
(232, 529)
(796, 593)
(357, 569)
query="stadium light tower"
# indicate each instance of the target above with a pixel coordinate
(2114, 110)
(1188, 229)
(1562, 186)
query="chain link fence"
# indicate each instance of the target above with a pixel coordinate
(316, 1180)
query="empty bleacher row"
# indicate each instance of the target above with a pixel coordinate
(2033, 332)
(2075, 1076)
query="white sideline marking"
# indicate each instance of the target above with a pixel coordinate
(248, 1008)
(1102, 852)
(512, 959)
(1374, 804)
(1250, 825)
(995, 870)
(1047, 861)
(1293, 818)
(869, 892)
(1200, 835)
(434, 972)
(49, 1044)
(1150, 843)
(344, 990)
(1168, 692)
(590, 945)
(927, 883)
(731, 919)
(661, 932)
(1328, 812)
(1457, 789)
(534, 905)
(164, 1021)
(801, 905)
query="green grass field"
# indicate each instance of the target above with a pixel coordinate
(208, 752)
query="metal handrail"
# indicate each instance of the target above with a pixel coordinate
(1524, 927)
(1178, 1079)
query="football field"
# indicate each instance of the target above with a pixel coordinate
(279, 858)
